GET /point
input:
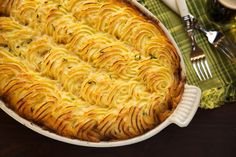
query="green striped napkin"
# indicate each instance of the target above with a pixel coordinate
(216, 91)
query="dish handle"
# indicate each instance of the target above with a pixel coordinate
(188, 106)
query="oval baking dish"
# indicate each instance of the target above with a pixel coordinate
(181, 116)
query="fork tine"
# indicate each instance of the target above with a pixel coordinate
(200, 69)
(202, 61)
(205, 67)
(196, 70)
(226, 46)
(226, 52)
(208, 68)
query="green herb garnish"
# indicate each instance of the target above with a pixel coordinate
(137, 57)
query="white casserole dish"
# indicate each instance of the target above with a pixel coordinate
(182, 115)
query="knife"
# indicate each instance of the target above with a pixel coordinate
(186, 16)
(172, 5)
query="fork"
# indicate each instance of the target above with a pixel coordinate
(197, 56)
(219, 41)
(198, 60)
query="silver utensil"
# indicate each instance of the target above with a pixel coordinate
(216, 38)
(219, 41)
(197, 55)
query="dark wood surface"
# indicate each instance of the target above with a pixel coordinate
(211, 133)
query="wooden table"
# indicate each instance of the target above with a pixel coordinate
(211, 133)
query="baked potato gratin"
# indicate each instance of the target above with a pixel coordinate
(94, 70)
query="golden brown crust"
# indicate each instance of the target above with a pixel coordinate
(88, 69)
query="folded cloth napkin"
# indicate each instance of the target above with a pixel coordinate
(222, 87)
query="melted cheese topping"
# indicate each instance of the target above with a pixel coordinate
(88, 69)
